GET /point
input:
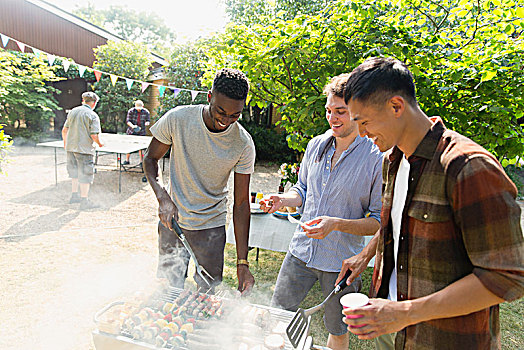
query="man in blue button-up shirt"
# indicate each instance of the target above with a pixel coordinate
(339, 195)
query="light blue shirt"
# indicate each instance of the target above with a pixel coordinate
(351, 191)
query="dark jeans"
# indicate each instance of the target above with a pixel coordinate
(208, 246)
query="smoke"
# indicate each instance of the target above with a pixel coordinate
(65, 320)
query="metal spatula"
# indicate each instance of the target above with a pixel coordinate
(300, 322)
(199, 269)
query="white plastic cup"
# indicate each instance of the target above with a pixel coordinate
(352, 300)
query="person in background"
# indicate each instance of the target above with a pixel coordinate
(137, 119)
(450, 247)
(81, 129)
(339, 184)
(206, 144)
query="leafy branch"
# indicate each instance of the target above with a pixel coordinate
(288, 74)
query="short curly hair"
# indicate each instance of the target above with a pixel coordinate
(337, 85)
(231, 83)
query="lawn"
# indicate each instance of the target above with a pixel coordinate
(266, 271)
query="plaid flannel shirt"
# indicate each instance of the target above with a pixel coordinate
(460, 217)
(132, 116)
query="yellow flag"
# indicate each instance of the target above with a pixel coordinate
(114, 78)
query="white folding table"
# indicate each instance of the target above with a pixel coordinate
(113, 144)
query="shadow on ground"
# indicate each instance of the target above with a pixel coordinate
(104, 191)
(52, 221)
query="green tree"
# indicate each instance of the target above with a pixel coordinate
(131, 25)
(126, 59)
(25, 95)
(249, 12)
(467, 59)
(91, 14)
(5, 147)
(185, 70)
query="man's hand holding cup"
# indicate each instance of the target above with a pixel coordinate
(351, 301)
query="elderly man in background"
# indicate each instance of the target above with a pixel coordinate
(80, 130)
(137, 119)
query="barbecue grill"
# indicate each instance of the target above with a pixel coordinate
(122, 340)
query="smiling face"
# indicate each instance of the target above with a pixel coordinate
(380, 123)
(337, 115)
(222, 111)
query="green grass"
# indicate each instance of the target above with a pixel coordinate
(266, 272)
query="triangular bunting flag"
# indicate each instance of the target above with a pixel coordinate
(161, 90)
(114, 78)
(98, 74)
(194, 94)
(51, 59)
(176, 91)
(5, 39)
(81, 70)
(129, 83)
(37, 52)
(21, 46)
(144, 86)
(66, 64)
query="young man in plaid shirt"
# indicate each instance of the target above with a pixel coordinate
(450, 247)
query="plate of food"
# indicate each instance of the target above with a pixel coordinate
(255, 209)
(285, 211)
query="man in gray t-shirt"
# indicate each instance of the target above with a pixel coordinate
(80, 130)
(206, 144)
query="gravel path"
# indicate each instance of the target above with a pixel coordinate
(59, 264)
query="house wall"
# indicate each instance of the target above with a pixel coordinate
(46, 31)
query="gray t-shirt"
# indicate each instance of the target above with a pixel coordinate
(82, 121)
(200, 165)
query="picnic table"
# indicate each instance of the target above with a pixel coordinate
(113, 144)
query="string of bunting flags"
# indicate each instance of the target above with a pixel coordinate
(68, 62)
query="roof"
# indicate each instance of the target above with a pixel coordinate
(87, 25)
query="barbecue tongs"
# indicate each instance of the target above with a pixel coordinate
(199, 269)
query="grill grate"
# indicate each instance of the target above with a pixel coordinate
(276, 315)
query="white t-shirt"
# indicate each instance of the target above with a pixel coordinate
(200, 164)
(399, 199)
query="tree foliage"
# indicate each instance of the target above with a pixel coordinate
(5, 146)
(185, 70)
(25, 95)
(126, 59)
(250, 12)
(131, 25)
(467, 58)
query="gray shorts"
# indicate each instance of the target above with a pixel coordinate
(208, 246)
(81, 166)
(294, 282)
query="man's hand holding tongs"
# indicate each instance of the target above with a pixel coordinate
(167, 210)
(246, 281)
